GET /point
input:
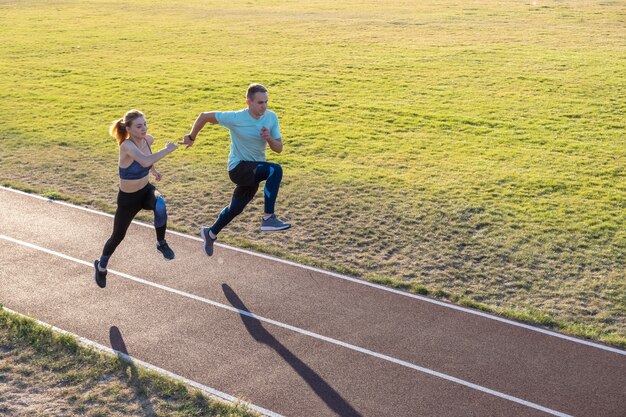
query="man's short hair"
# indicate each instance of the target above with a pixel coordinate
(255, 88)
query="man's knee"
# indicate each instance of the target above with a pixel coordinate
(235, 209)
(276, 171)
(278, 167)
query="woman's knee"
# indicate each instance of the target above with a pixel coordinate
(160, 212)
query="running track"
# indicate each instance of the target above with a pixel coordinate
(291, 340)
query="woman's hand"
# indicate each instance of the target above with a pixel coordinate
(171, 146)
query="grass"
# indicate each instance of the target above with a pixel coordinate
(472, 150)
(47, 373)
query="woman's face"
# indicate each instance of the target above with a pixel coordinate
(138, 128)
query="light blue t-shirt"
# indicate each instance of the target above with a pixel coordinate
(246, 143)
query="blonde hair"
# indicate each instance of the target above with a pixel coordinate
(118, 127)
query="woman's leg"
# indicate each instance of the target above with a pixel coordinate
(154, 201)
(124, 215)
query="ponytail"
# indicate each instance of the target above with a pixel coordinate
(118, 130)
(118, 127)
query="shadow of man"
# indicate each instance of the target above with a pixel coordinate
(324, 391)
(129, 367)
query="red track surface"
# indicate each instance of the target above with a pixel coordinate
(315, 345)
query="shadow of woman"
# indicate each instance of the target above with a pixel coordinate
(129, 367)
(323, 390)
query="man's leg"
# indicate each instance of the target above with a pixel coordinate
(235, 208)
(238, 202)
(272, 174)
(243, 176)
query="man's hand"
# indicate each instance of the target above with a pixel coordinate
(265, 134)
(187, 140)
(275, 144)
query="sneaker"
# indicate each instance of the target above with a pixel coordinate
(101, 277)
(272, 223)
(208, 240)
(165, 249)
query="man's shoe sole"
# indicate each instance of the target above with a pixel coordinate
(273, 228)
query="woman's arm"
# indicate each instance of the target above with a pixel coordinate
(128, 148)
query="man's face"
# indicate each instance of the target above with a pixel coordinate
(257, 104)
(138, 128)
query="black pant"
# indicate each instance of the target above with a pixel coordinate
(128, 205)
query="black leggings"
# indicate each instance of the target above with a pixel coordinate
(128, 205)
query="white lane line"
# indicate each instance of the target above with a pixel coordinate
(298, 330)
(354, 280)
(128, 358)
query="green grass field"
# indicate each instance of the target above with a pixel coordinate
(472, 150)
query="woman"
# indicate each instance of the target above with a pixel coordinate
(136, 193)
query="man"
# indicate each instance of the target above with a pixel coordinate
(251, 131)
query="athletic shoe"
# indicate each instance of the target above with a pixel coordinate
(208, 240)
(272, 223)
(101, 277)
(165, 249)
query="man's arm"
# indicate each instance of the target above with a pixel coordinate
(201, 121)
